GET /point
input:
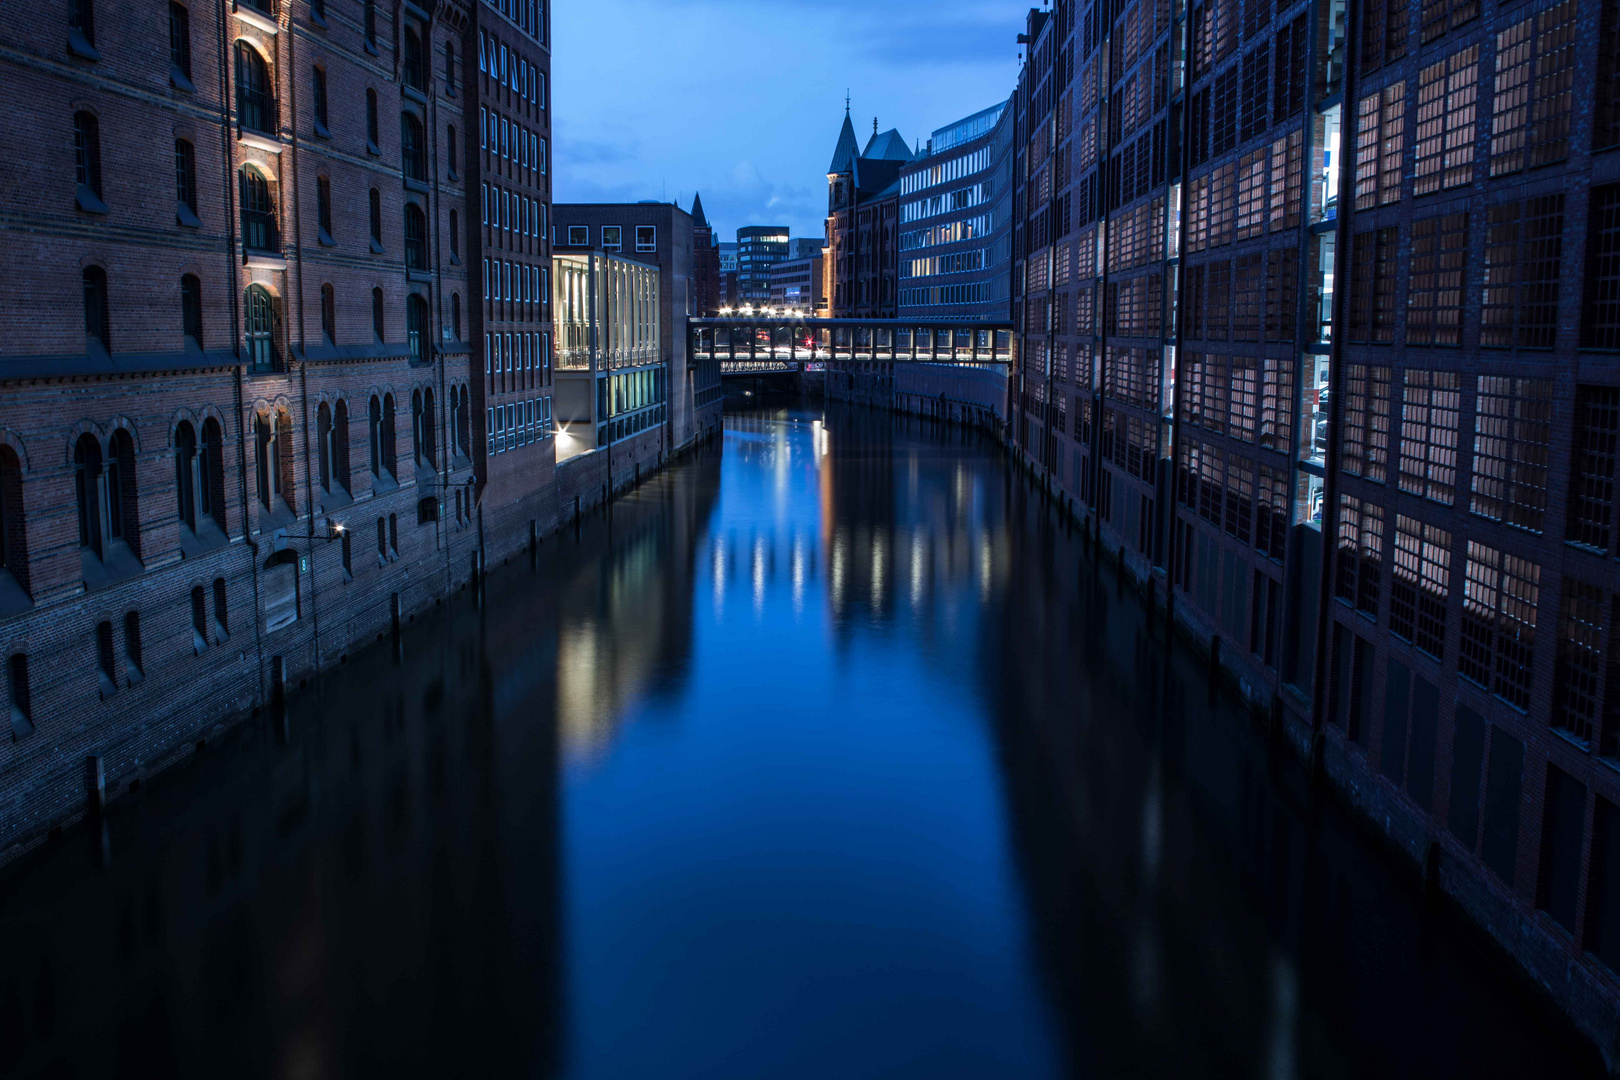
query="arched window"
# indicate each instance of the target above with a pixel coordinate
(371, 24)
(455, 315)
(323, 436)
(376, 437)
(329, 312)
(185, 474)
(412, 148)
(455, 237)
(377, 324)
(87, 491)
(273, 462)
(450, 68)
(255, 103)
(222, 621)
(97, 319)
(416, 327)
(259, 232)
(322, 110)
(388, 436)
(191, 310)
(373, 126)
(455, 418)
(382, 541)
(211, 473)
(450, 143)
(87, 154)
(415, 238)
(413, 68)
(340, 446)
(119, 493)
(376, 220)
(430, 439)
(185, 177)
(180, 43)
(199, 619)
(13, 534)
(260, 317)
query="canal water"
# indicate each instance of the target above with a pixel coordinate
(826, 754)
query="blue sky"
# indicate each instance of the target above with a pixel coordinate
(742, 100)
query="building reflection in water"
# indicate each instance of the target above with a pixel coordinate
(833, 758)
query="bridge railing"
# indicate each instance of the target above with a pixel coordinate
(748, 343)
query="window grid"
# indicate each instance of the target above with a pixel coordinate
(1500, 593)
(1582, 665)
(1420, 586)
(1512, 446)
(1535, 79)
(1430, 403)
(1367, 423)
(1600, 305)
(1438, 266)
(1597, 443)
(1361, 551)
(1524, 246)
(1447, 96)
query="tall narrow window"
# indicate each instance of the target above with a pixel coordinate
(324, 444)
(1430, 403)
(375, 428)
(211, 473)
(329, 313)
(412, 148)
(389, 442)
(133, 668)
(450, 148)
(321, 121)
(416, 327)
(87, 155)
(255, 102)
(87, 481)
(1583, 664)
(259, 312)
(191, 324)
(1600, 307)
(199, 620)
(1524, 248)
(450, 66)
(455, 234)
(430, 438)
(1512, 446)
(413, 66)
(376, 220)
(1592, 466)
(1500, 595)
(1535, 82)
(259, 232)
(185, 474)
(185, 182)
(1365, 450)
(418, 442)
(180, 44)
(1420, 588)
(370, 22)
(323, 207)
(120, 494)
(415, 238)
(97, 318)
(22, 711)
(106, 660)
(340, 445)
(222, 622)
(1439, 265)
(1372, 286)
(13, 529)
(377, 314)
(455, 315)
(373, 124)
(1606, 122)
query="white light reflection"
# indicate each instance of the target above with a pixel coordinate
(877, 573)
(919, 556)
(719, 574)
(759, 575)
(798, 575)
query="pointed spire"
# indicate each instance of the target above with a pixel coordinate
(697, 210)
(847, 150)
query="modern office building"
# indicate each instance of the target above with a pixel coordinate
(612, 378)
(1352, 415)
(728, 275)
(759, 247)
(955, 222)
(796, 284)
(863, 211)
(663, 236)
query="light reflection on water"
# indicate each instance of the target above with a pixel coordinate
(825, 756)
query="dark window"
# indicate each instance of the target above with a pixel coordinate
(427, 511)
(87, 152)
(185, 474)
(180, 40)
(382, 540)
(416, 327)
(1600, 327)
(329, 312)
(97, 317)
(185, 174)
(263, 7)
(323, 436)
(412, 148)
(1523, 250)
(450, 147)
(1372, 286)
(455, 315)
(416, 257)
(376, 217)
(455, 235)
(393, 532)
(1383, 31)
(450, 66)
(133, 669)
(376, 437)
(348, 563)
(1439, 266)
(430, 429)
(373, 125)
(106, 660)
(261, 323)
(340, 445)
(259, 232)
(13, 531)
(413, 65)
(377, 314)
(323, 206)
(1442, 15)
(320, 100)
(22, 710)
(1420, 587)
(1499, 839)
(87, 482)
(82, 20)
(389, 442)
(199, 619)
(418, 449)
(1603, 888)
(1500, 594)
(221, 613)
(1592, 466)
(1512, 447)
(371, 23)
(255, 102)
(1606, 126)
(1583, 666)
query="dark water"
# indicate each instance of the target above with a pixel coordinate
(825, 757)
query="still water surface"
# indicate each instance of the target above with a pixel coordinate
(824, 755)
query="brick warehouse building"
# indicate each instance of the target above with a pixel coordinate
(243, 426)
(863, 213)
(1190, 377)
